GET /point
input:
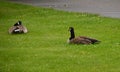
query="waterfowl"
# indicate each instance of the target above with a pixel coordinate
(18, 28)
(80, 39)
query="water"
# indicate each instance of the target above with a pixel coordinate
(109, 8)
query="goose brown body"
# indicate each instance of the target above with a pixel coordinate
(18, 28)
(80, 39)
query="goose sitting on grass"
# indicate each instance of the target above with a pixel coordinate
(18, 28)
(80, 39)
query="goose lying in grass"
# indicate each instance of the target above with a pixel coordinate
(80, 39)
(18, 28)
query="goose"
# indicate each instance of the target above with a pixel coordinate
(18, 28)
(80, 39)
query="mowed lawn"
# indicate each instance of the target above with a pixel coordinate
(45, 49)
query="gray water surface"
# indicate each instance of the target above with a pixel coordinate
(109, 8)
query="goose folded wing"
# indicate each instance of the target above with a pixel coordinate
(80, 40)
(91, 39)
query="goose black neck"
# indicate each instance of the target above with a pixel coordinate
(72, 34)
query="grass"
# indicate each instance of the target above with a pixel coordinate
(44, 47)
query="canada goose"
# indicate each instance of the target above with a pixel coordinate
(80, 39)
(18, 28)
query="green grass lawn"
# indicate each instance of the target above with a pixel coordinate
(44, 47)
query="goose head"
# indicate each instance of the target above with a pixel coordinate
(18, 23)
(71, 29)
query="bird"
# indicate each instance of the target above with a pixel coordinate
(17, 28)
(80, 39)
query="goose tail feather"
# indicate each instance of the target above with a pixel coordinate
(94, 41)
